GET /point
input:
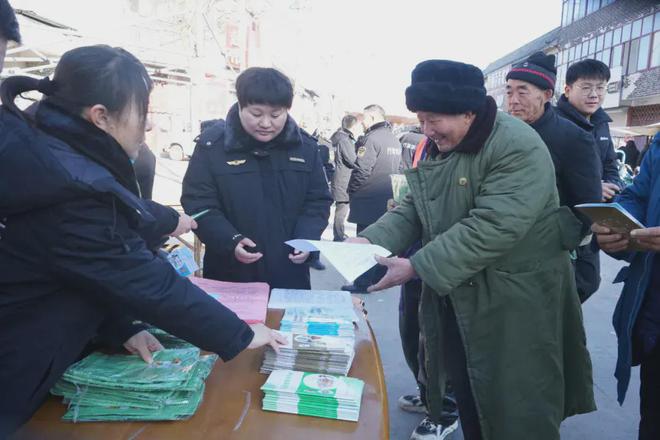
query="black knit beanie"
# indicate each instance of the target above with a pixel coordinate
(539, 69)
(443, 86)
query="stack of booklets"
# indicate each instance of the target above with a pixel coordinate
(321, 354)
(313, 394)
(317, 321)
(104, 387)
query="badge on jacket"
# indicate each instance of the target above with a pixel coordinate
(361, 151)
(236, 162)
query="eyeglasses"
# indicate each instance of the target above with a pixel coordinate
(587, 90)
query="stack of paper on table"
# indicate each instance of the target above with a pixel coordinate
(104, 387)
(248, 300)
(312, 353)
(313, 394)
(317, 321)
(340, 302)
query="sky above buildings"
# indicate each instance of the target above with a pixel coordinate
(362, 51)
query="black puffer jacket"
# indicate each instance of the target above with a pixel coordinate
(575, 157)
(269, 192)
(598, 126)
(74, 263)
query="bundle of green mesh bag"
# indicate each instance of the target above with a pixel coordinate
(111, 387)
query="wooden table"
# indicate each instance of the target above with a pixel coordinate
(232, 407)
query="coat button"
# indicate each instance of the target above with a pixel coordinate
(208, 144)
(462, 181)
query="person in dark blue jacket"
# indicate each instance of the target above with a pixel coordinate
(581, 103)
(75, 260)
(261, 178)
(637, 313)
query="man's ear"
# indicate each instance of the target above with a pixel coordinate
(567, 89)
(547, 94)
(98, 115)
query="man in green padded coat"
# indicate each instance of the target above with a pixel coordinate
(499, 309)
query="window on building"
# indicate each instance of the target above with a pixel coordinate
(617, 51)
(636, 28)
(571, 54)
(569, 12)
(656, 26)
(647, 25)
(593, 6)
(625, 33)
(633, 55)
(606, 56)
(579, 9)
(599, 42)
(608, 39)
(585, 48)
(644, 48)
(592, 46)
(616, 36)
(655, 55)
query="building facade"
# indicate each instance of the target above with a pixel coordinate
(625, 35)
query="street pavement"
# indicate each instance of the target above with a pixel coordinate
(610, 422)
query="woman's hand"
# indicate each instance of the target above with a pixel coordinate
(298, 257)
(186, 224)
(243, 255)
(143, 343)
(266, 336)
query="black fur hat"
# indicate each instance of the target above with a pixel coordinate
(443, 86)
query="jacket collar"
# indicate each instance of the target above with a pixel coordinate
(88, 140)
(480, 130)
(237, 139)
(347, 133)
(546, 117)
(599, 117)
(376, 126)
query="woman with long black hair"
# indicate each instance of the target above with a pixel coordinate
(75, 256)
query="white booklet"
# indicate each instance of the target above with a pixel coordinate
(350, 259)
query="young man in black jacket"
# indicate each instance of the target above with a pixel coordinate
(530, 86)
(584, 93)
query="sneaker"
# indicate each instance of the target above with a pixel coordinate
(427, 430)
(412, 403)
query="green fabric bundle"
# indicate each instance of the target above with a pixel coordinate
(104, 387)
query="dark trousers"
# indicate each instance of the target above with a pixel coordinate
(409, 331)
(339, 223)
(413, 347)
(649, 392)
(373, 275)
(456, 366)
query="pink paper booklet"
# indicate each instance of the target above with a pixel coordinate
(248, 300)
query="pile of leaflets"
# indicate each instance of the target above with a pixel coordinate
(312, 394)
(321, 354)
(317, 321)
(104, 387)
